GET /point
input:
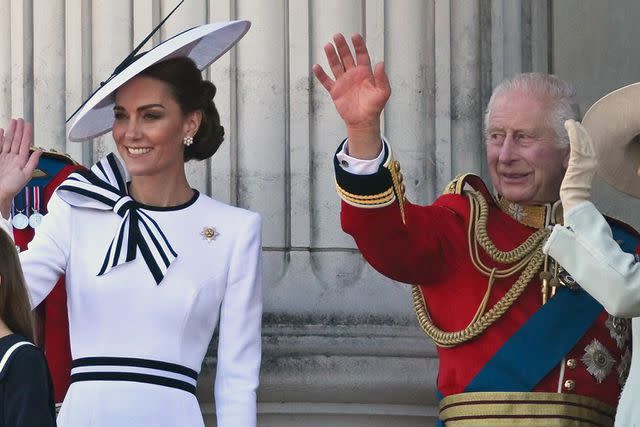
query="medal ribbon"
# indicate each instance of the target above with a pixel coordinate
(36, 199)
(104, 187)
(27, 200)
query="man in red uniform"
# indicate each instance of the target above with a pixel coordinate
(519, 342)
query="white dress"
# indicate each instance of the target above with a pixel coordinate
(125, 316)
(586, 249)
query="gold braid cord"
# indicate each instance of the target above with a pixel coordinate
(526, 258)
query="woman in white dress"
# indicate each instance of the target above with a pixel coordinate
(584, 246)
(152, 266)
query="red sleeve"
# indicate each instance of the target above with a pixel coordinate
(417, 252)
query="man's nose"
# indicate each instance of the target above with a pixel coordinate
(508, 149)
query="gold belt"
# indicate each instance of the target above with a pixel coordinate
(524, 409)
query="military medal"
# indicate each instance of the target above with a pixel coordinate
(19, 220)
(36, 217)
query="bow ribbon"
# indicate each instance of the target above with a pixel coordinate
(104, 187)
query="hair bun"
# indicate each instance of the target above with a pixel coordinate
(208, 90)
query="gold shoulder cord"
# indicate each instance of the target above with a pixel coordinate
(527, 257)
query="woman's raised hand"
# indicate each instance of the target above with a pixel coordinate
(358, 93)
(16, 164)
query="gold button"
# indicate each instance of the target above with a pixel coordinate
(572, 363)
(569, 384)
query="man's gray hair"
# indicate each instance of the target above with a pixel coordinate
(561, 94)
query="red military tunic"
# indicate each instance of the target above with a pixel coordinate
(429, 246)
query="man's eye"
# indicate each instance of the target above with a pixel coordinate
(496, 137)
(524, 138)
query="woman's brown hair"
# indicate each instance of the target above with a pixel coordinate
(15, 308)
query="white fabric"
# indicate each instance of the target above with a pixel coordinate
(5, 224)
(586, 249)
(105, 188)
(125, 314)
(358, 166)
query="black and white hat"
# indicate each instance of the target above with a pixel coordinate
(203, 44)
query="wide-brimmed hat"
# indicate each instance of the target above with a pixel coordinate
(203, 44)
(614, 125)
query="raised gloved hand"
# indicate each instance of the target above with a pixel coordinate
(576, 185)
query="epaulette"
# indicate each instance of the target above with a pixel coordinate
(457, 185)
(50, 153)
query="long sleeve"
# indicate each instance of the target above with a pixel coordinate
(28, 391)
(586, 249)
(406, 242)
(46, 259)
(239, 347)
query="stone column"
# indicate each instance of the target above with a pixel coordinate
(111, 42)
(49, 81)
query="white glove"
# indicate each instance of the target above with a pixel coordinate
(576, 185)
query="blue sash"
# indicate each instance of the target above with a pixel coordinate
(542, 342)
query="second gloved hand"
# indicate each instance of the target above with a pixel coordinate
(576, 185)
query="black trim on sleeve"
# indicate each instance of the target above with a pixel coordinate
(364, 185)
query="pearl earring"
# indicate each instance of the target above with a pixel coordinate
(188, 140)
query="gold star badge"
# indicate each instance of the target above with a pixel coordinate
(209, 233)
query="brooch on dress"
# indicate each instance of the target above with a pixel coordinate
(209, 233)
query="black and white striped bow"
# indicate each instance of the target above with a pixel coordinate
(104, 187)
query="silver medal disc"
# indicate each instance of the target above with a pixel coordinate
(20, 221)
(35, 219)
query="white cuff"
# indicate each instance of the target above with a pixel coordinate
(359, 166)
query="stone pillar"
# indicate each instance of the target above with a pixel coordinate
(78, 75)
(49, 81)
(22, 59)
(5, 66)
(111, 42)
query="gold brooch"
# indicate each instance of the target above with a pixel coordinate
(209, 233)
